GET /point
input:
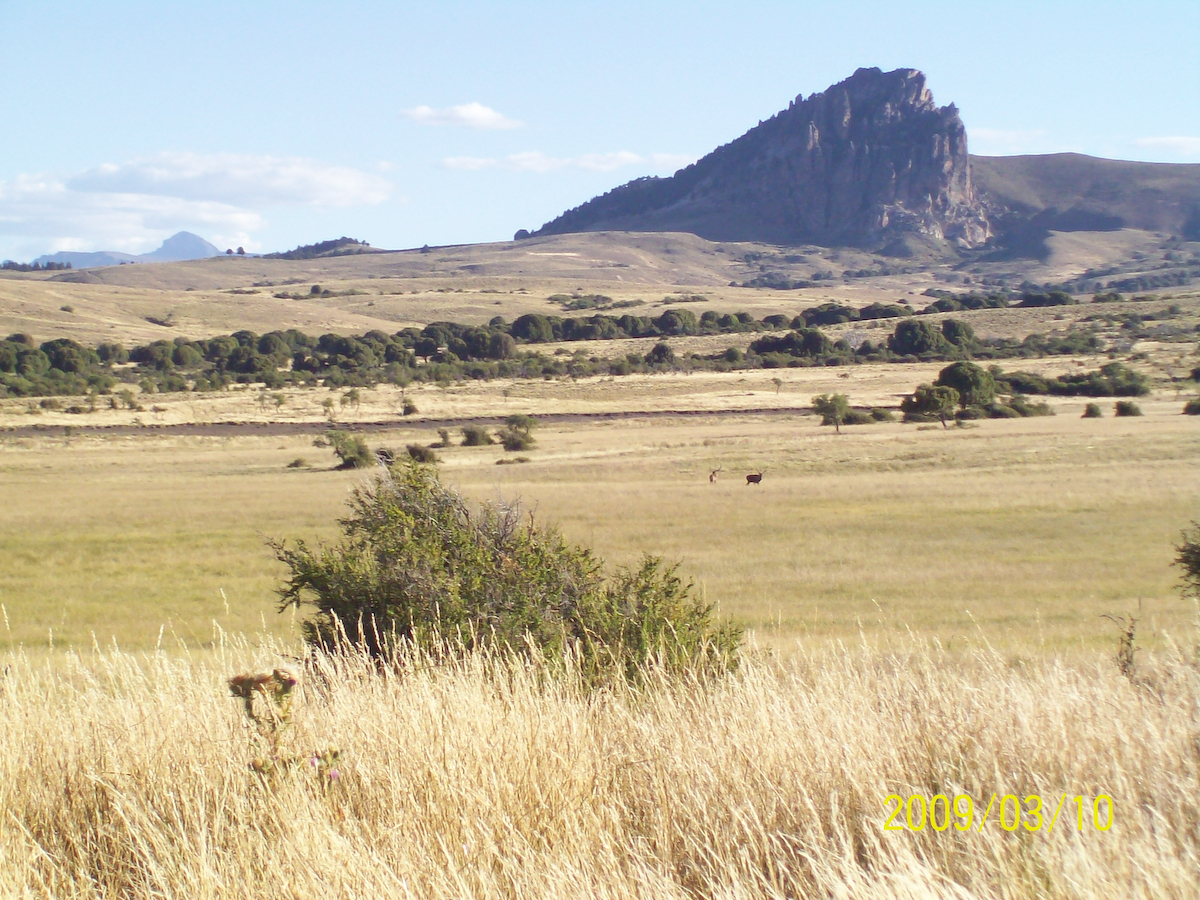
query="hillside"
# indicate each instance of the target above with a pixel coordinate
(1030, 196)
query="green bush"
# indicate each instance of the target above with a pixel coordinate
(1023, 407)
(421, 454)
(417, 565)
(517, 433)
(409, 408)
(1092, 411)
(1126, 408)
(350, 449)
(1189, 560)
(1002, 411)
(970, 413)
(476, 436)
(859, 417)
(883, 415)
(1192, 407)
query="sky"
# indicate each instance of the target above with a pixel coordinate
(272, 124)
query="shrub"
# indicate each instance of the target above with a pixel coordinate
(1189, 560)
(1092, 411)
(858, 417)
(970, 413)
(476, 436)
(1001, 411)
(883, 415)
(1126, 408)
(409, 408)
(914, 337)
(1023, 407)
(517, 433)
(350, 449)
(422, 454)
(417, 565)
(298, 463)
(1192, 407)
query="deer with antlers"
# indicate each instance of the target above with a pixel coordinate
(712, 476)
(754, 479)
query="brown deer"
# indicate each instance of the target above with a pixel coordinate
(712, 476)
(754, 479)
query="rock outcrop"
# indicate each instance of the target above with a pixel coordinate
(864, 163)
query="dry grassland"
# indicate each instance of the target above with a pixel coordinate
(490, 778)
(1026, 531)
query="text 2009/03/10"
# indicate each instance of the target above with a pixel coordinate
(1011, 813)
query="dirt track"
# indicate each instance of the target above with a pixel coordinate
(275, 429)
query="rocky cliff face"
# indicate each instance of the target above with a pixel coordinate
(864, 163)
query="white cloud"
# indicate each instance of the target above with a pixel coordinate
(237, 179)
(473, 115)
(133, 206)
(1179, 145)
(536, 161)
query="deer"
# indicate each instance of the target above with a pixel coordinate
(754, 479)
(712, 476)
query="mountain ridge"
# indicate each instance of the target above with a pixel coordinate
(873, 162)
(179, 247)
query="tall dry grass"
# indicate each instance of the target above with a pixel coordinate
(490, 777)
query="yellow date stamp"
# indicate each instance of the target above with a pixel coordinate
(1008, 811)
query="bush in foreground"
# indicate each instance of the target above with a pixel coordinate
(1126, 408)
(418, 565)
(1093, 411)
(350, 449)
(476, 436)
(1192, 407)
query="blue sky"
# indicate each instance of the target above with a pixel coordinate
(271, 124)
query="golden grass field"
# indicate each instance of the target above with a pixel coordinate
(924, 606)
(485, 778)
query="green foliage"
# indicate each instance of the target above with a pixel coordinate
(1188, 559)
(913, 337)
(975, 385)
(350, 449)
(883, 415)
(1192, 407)
(421, 453)
(832, 408)
(930, 401)
(409, 408)
(960, 334)
(1093, 411)
(517, 433)
(476, 436)
(1112, 380)
(1126, 408)
(417, 564)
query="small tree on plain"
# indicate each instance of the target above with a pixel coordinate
(931, 400)
(1188, 560)
(832, 408)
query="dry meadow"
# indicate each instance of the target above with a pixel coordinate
(930, 612)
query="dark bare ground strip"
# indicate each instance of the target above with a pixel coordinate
(275, 429)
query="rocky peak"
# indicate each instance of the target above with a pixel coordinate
(863, 163)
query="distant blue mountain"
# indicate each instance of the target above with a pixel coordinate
(181, 246)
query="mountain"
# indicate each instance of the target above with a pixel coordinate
(870, 160)
(180, 246)
(873, 162)
(1027, 197)
(183, 245)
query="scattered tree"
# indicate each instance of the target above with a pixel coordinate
(937, 401)
(832, 408)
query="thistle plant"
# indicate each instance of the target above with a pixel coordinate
(267, 699)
